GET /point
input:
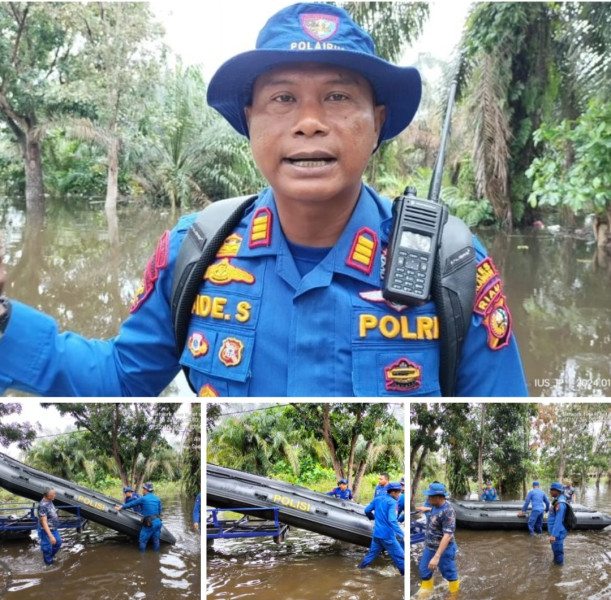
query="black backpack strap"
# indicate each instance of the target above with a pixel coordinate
(453, 291)
(197, 252)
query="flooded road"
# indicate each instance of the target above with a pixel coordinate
(307, 566)
(509, 565)
(101, 564)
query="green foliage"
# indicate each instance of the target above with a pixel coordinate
(191, 456)
(584, 184)
(22, 434)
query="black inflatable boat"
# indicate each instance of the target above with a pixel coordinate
(299, 506)
(27, 482)
(474, 514)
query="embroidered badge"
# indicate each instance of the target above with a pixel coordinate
(198, 344)
(223, 272)
(486, 273)
(261, 228)
(363, 251)
(403, 376)
(488, 298)
(207, 391)
(318, 26)
(157, 262)
(376, 296)
(231, 352)
(230, 247)
(498, 323)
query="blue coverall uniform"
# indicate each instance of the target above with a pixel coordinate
(326, 333)
(46, 508)
(379, 490)
(555, 527)
(401, 508)
(337, 493)
(489, 495)
(540, 504)
(134, 496)
(385, 531)
(197, 509)
(151, 507)
(440, 520)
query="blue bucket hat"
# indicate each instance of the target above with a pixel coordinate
(535, 483)
(556, 486)
(324, 34)
(393, 486)
(436, 489)
(343, 481)
(148, 486)
(127, 489)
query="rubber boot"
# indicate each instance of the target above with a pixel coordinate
(454, 585)
(426, 588)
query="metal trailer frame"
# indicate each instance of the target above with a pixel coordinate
(248, 526)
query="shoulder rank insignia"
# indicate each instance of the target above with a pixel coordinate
(403, 376)
(157, 262)
(207, 391)
(223, 272)
(198, 344)
(230, 353)
(261, 228)
(363, 251)
(230, 247)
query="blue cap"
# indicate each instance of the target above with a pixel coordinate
(535, 483)
(392, 486)
(127, 489)
(556, 486)
(342, 480)
(148, 486)
(323, 34)
(436, 489)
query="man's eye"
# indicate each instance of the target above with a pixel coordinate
(338, 97)
(283, 98)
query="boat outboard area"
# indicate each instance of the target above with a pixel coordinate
(27, 482)
(297, 505)
(503, 514)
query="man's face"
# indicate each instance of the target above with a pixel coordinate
(554, 493)
(129, 494)
(51, 495)
(343, 486)
(437, 500)
(312, 130)
(382, 480)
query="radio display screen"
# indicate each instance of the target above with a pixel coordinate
(415, 241)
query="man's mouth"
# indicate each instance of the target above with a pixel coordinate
(311, 160)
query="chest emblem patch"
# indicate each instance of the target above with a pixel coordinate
(403, 376)
(223, 272)
(231, 352)
(198, 344)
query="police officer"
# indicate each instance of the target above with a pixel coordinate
(555, 521)
(386, 528)
(343, 492)
(380, 489)
(569, 491)
(151, 513)
(197, 512)
(129, 495)
(489, 494)
(297, 284)
(540, 504)
(48, 523)
(439, 544)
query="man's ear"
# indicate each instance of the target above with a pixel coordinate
(379, 115)
(247, 113)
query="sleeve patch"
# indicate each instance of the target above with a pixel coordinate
(157, 262)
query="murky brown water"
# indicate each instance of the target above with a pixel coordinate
(307, 566)
(510, 565)
(101, 564)
(560, 302)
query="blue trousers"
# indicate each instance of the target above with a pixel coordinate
(49, 551)
(150, 533)
(394, 549)
(535, 521)
(558, 549)
(446, 566)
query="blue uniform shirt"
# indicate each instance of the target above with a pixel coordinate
(379, 489)
(489, 495)
(441, 520)
(337, 493)
(46, 508)
(384, 509)
(538, 498)
(326, 333)
(401, 508)
(197, 509)
(555, 525)
(134, 496)
(151, 505)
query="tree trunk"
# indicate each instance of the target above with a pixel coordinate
(34, 186)
(480, 453)
(360, 473)
(418, 475)
(112, 184)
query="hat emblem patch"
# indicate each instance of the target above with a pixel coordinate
(319, 27)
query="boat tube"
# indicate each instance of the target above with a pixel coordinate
(298, 506)
(503, 514)
(27, 482)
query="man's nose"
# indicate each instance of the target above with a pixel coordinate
(310, 119)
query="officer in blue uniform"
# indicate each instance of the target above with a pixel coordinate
(439, 545)
(342, 491)
(197, 512)
(48, 523)
(489, 494)
(129, 495)
(540, 505)
(386, 529)
(296, 287)
(401, 502)
(381, 488)
(151, 516)
(555, 521)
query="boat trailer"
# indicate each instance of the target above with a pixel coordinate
(18, 520)
(250, 525)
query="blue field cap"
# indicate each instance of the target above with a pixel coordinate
(436, 489)
(127, 489)
(318, 33)
(394, 485)
(535, 483)
(556, 486)
(342, 481)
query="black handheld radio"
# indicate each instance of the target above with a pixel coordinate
(416, 232)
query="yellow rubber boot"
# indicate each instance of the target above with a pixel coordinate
(426, 588)
(454, 585)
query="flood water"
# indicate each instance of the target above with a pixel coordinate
(102, 564)
(507, 565)
(558, 296)
(308, 566)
